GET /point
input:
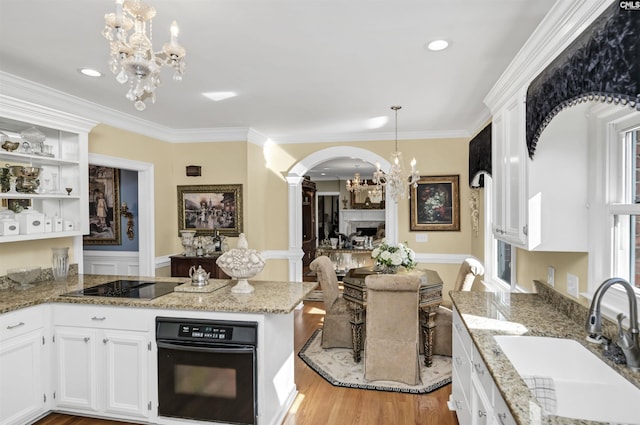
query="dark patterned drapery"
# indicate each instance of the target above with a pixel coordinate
(602, 65)
(480, 154)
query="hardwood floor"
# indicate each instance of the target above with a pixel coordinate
(320, 403)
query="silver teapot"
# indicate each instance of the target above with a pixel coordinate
(199, 276)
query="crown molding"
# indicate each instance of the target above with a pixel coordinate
(47, 97)
(29, 91)
(370, 137)
(564, 22)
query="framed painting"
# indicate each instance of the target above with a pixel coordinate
(104, 206)
(207, 208)
(435, 203)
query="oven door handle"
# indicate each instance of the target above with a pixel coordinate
(217, 348)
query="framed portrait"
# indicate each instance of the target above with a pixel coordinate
(104, 206)
(435, 203)
(207, 208)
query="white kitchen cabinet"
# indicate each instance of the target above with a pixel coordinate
(103, 368)
(540, 204)
(474, 395)
(24, 365)
(66, 168)
(509, 168)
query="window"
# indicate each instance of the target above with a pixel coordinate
(614, 202)
(624, 207)
(500, 257)
(503, 262)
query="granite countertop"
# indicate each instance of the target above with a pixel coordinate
(269, 297)
(486, 314)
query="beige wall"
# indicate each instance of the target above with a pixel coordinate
(31, 253)
(261, 171)
(533, 266)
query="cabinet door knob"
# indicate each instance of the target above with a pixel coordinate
(105, 340)
(99, 319)
(481, 414)
(86, 339)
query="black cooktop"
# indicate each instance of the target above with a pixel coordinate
(138, 289)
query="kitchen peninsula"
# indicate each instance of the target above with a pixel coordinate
(100, 357)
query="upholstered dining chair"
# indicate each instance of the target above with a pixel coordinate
(469, 269)
(391, 349)
(336, 331)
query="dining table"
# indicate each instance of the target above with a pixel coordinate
(430, 297)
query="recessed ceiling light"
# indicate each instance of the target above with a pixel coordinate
(437, 45)
(220, 95)
(89, 72)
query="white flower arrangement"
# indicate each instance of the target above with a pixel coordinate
(394, 256)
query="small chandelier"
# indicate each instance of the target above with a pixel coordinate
(396, 181)
(132, 57)
(356, 185)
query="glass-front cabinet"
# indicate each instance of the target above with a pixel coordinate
(43, 172)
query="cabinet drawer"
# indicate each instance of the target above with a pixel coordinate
(482, 373)
(21, 321)
(501, 411)
(460, 328)
(95, 316)
(460, 402)
(461, 362)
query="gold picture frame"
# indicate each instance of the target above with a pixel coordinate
(207, 208)
(104, 206)
(435, 204)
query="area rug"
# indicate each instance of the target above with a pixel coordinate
(336, 365)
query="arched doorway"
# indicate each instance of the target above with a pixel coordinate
(294, 179)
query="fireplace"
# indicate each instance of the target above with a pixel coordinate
(353, 220)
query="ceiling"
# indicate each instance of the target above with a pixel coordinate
(303, 70)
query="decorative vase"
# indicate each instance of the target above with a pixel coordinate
(241, 263)
(385, 269)
(60, 263)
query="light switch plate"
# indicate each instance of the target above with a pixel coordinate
(573, 285)
(421, 237)
(551, 276)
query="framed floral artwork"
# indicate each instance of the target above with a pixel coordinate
(435, 203)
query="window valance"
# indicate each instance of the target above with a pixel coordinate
(602, 65)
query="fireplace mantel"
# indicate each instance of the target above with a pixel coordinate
(350, 219)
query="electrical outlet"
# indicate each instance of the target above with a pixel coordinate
(421, 237)
(573, 285)
(551, 275)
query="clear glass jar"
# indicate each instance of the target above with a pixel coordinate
(60, 263)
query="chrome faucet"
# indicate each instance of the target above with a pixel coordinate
(629, 341)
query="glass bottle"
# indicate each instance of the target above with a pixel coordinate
(60, 263)
(217, 242)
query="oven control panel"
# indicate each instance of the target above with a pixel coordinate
(207, 332)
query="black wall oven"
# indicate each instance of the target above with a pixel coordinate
(207, 370)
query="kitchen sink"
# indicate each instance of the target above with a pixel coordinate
(585, 387)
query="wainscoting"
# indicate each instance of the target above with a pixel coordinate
(124, 263)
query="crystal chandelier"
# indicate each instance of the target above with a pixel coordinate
(132, 57)
(396, 181)
(356, 185)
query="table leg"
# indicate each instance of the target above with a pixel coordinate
(357, 319)
(428, 324)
